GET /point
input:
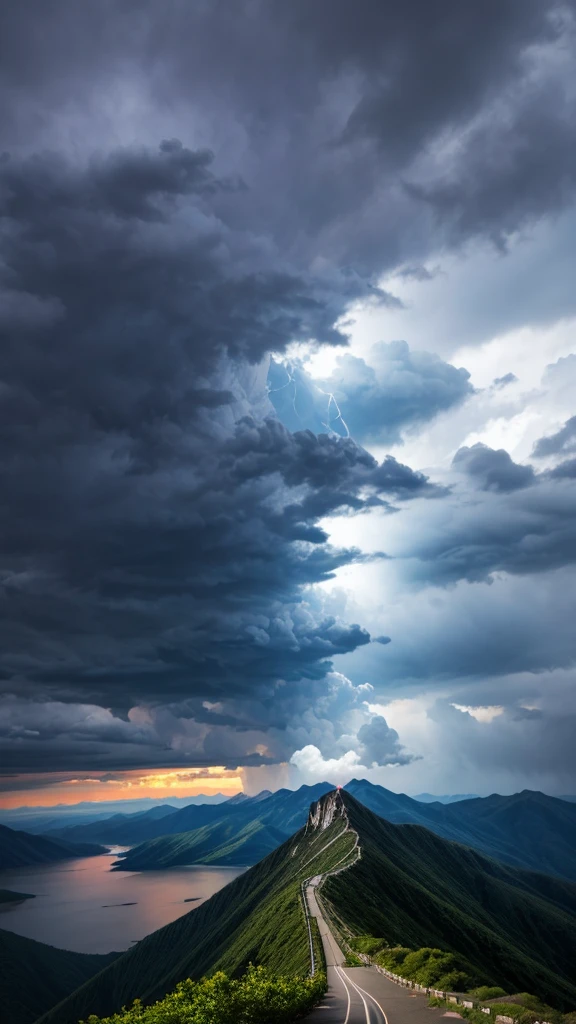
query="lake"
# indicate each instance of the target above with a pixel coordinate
(78, 903)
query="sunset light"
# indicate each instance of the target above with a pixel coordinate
(54, 788)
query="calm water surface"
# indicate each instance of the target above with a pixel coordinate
(78, 902)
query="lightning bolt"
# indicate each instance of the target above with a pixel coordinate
(291, 380)
(332, 402)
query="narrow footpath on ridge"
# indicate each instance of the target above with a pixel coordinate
(361, 995)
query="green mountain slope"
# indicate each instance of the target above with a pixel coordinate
(528, 829)
(18, 849)
(34, 976)
(516, 927)
(257, 918)
(538, 828)
(220, 843)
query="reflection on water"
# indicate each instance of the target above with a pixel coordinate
(82, 905)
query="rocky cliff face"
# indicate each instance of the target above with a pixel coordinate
(326, 810)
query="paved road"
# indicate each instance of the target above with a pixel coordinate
(361, 995)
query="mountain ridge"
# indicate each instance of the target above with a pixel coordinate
(20, 849)
(517, 928)
(529, 830)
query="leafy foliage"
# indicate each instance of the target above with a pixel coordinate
(522, 1008)
(366, 944)
(259, 997)
(483, 992)
(434, 968)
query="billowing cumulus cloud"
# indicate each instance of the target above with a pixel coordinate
(560, 443)
(378, 746)
(492, 470)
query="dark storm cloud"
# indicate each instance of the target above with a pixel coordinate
(532, 743)
(157, 529)
(565, 470)
(470, 632)
(327, 112)
(417, 273)
(521, 531)
(375, 400)
(560, 443)
(492, 470)
(160, 531)
(380, 744)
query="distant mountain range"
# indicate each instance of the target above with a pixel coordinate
(123, 830)
(42, 819)
(35, 976)
(515, 928)
(429, 798)
(19, 849)
(528, 829)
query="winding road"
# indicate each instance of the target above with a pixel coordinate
(361, 995)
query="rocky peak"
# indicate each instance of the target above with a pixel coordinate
(325, 810)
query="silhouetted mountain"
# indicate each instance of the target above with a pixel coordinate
(18, 849)
(515, 928)
(35, 976)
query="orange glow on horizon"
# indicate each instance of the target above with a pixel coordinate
(50, 789)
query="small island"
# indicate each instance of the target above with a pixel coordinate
(8, 896)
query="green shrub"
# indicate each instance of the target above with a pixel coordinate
(519, 1013)
(367, 944)
(526, 1008)
(353, 961)
(484, 992)
(393, 959)
(433, 968)
(259, 997)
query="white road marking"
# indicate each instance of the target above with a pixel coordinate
(366, 1010)
(342, 978)
(370, 996)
